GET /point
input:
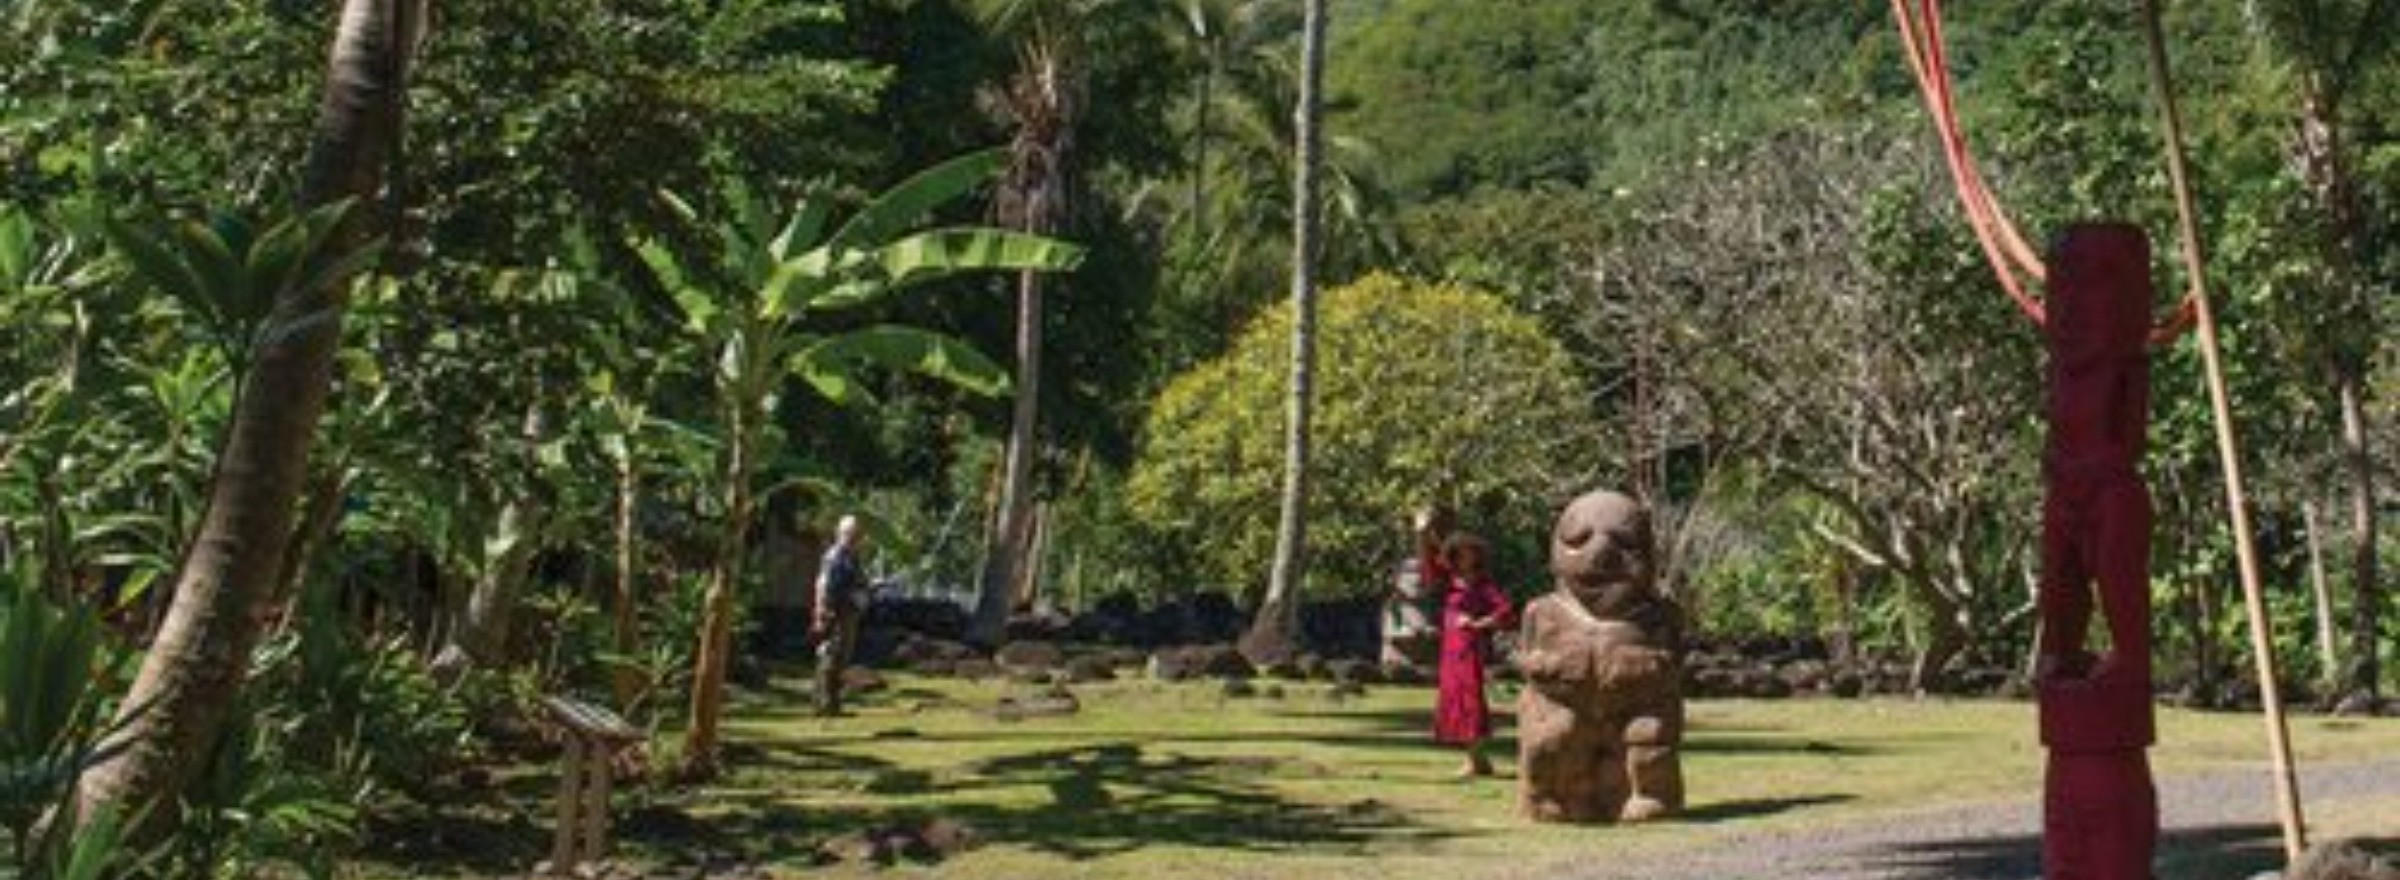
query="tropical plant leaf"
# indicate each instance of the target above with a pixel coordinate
(661, 262)
(16, 248)
(799, 282)
(944, 253)
(161, 266)
(829, 365)
(214, 264)
(807, 223)
(899, 207)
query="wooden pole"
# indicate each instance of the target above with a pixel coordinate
(2287, 785)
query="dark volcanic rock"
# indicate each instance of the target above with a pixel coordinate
(1030, 655)
(1089, 669)
(1359, 671)
(859, 680)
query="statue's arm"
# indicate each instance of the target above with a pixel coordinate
(1543, 660)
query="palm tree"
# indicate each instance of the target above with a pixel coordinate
(745, 308)
(181, 698)
(1043, 100)
(1274, 636)
(2330, 47)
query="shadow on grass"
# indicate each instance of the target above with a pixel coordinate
(454, 840)
(1096, 801)
(2224, 852)
(1701, 738)
(1387, 730)
(1730, 811)
(1115, 797)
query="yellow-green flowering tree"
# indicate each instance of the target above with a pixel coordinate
(1425, 394)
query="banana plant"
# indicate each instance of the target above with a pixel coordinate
(752, 309)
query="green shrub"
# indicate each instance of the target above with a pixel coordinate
(1425, 393)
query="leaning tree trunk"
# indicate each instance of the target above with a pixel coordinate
(1275, 634)
(1047, 100)
(1005, 566)
(481, 639)
(180, 700)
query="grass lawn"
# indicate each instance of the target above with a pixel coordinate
(1178, 781)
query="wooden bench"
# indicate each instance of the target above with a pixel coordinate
(595, 738)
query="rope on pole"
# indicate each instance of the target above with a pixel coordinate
(2287, 786)
(2003, 247)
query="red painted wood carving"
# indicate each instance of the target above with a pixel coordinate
(2100, 811)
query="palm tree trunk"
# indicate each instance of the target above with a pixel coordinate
(1047, 99)
(1005, 566)
(1037, 555)
(1275, 635)
(185, 690)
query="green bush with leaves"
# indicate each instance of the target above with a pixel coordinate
(1426, 394)
(54, 666)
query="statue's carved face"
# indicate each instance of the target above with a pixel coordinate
(1601, 552)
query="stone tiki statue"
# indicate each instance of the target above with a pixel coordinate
(2100, 812)
(1599, 724)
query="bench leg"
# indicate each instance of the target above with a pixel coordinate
(595, 810)
(564, 852)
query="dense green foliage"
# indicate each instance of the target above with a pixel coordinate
(1431, 394)
(1702, 247)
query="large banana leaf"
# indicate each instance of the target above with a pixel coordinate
(830, 364)
(808, 222)
(944, 253)
(902, 206)
(700, 311)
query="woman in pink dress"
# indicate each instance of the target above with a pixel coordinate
(1472, 609)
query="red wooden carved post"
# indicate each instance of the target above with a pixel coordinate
(2100, 811)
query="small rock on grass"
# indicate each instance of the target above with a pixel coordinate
(930, 841)
(859, 680)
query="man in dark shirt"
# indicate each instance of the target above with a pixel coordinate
(841, 599)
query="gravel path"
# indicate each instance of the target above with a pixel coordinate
(2218, 826)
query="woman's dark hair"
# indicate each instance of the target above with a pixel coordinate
(1462, 543)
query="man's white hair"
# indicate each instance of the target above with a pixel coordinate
(848, 526)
